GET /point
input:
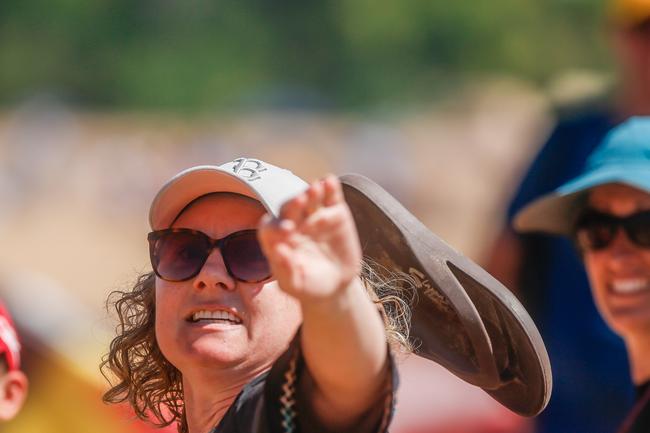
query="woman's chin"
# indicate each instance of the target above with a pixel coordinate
(218, 349)
(630, 323)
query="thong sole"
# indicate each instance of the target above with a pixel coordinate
(462, 317)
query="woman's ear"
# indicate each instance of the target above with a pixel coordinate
(13, 392)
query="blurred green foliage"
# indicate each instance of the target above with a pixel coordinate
(228, 54)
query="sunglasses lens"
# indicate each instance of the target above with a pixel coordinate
(243, 255)
(595, 235)
(638, 229)
(177, 256)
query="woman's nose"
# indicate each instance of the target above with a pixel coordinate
(622, 251)
(214, 274)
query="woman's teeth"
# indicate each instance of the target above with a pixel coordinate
(219, 315)
(630, 286)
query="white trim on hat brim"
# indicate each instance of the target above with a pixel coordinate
(556, 212)
(552, 213)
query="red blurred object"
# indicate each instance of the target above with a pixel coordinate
(9, 344)
(432, 400)
(62, 399)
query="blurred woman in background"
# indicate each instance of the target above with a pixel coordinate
(606, 210)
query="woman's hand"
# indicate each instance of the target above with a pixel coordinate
(313, 247)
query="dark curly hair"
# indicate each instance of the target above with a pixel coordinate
(139, 374)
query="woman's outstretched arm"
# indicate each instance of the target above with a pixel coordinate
(315, 255)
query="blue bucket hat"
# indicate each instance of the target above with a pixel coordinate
(623, 157)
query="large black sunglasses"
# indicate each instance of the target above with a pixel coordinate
(179, 254)
(596, 230)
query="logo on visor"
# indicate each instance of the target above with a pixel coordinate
(248, 169)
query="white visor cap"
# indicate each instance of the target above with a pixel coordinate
(270, 185)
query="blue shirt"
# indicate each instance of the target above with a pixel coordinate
(592, 390)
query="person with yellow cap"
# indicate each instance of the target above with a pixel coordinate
(586, 356)
(630, 28)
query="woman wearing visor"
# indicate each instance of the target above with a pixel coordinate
(223, 313)
(260, 316)
(606, 211)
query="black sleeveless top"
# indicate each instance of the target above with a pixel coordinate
(278, 402)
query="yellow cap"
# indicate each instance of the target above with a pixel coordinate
(629, 12)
